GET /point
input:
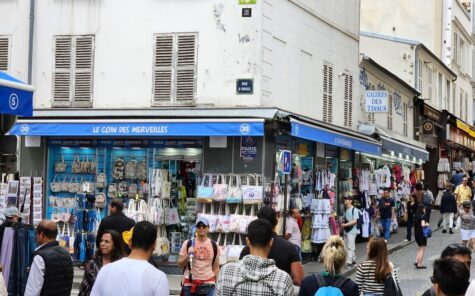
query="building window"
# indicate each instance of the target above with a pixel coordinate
(73, 71)
(466, 107)
(455, 48)
(405, 117)
(327, 93)
(419, 76)
(439, 93)
(348, 116)
(390, 113)
(4, 52)
(174, 75)
(461, 104)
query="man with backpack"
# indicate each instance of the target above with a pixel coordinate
(350, 226)
(255, 274)
(205, 268)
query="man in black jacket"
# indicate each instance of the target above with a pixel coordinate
(51, 272)
(116, 221)
(448, 208)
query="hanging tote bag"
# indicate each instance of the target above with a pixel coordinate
(156, 212)
(246, 220)
(234, 251)
(234, 194)
(162, 246)
(76, 166)
(252, 194)
(234, 220)
(223, 259)
(100, 201)
(212, 218)
(101, 180)
(220, 189)
(222, 224)
(64, 236)
(142, 170)
(65, 185)
(85, 165)
(93, 166)
(205, 189)
(60, 166)
(55, 186)
(74, 185)
(172, 217)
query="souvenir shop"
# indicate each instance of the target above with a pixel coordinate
(323, 171)
(165, 172)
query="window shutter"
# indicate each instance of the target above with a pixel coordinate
(327, 93)
(348, 109)
(186, 68)
(162, 88)
(4, 53)
(419, 76)
(405, 128)
(62, 71)
(83, 71)
(390, 113)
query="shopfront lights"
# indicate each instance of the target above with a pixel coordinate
(392, 153)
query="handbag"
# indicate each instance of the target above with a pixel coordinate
(100, 201)
(205, 190)
(101, 180)
(133, 190)
(220, 189)
(63, 237)
(222, 223)
(252, 194)
(74, 187)
(76, 165)
(171, 217)
(426, 231)
(156, 212)
(234, 251)
(162, 246)
(391, 286)
(60, 166)
(234, 194)
(55, 186)
(234, 220)
(85, 165)
(64, 185)
(142, 171)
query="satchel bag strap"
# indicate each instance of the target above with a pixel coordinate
(54, 179)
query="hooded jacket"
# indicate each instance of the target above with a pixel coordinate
(255, 276)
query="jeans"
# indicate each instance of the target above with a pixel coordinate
(409, 229)
(386, 227)
(298, 252)
(448, 218)
(187, 289)
(351, 247)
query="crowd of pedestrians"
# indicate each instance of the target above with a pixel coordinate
(268, 265)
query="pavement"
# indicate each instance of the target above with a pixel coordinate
(402, 254)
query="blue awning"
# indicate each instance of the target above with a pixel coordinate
(319, 134)
(407, 150)
(16, 97)
(139, 127)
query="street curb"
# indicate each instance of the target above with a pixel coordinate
(394, 248)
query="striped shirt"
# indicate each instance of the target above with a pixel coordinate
(366, 279)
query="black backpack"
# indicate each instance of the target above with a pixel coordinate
(391, 287)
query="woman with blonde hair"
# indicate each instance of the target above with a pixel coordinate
(334, 256)
(370, 274)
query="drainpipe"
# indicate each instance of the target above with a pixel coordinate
(30, 40)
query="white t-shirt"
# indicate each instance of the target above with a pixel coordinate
(130, 277)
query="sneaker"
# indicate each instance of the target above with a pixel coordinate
(444, 231)
(439, 223)
(386, 241)
(450, 231)
(406, 240)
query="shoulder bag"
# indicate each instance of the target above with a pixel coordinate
(85, 165)
(60, 165)
(205, 189)
(220, 189)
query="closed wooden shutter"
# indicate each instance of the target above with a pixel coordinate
(185, 69)
(62, 75)
(390, 113)
(175, 69)
(4, 52)
(327, 93)
(84, 49)
(348, 108)
(162, 88)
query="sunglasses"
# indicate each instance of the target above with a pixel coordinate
(201, 226)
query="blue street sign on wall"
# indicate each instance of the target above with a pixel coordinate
(16, 97)
(286, 162)
(245, 86)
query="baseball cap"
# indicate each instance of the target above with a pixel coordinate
(203, 220)
(464, 179)
(12, 212)
(348, 197)
(466, 204)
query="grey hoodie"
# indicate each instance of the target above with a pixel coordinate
(255, 276)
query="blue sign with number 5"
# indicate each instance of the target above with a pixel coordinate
(16, 97)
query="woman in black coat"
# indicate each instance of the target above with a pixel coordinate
(448, 207)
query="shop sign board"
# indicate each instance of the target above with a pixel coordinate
(286, 160)
(428, 127)
(432, 113)
(248, 149)
(376, 101)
